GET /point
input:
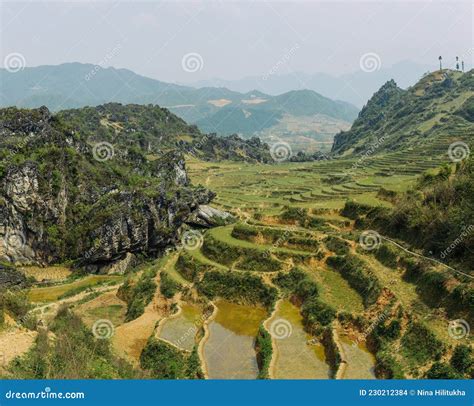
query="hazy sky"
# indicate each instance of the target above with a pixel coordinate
(234, 39)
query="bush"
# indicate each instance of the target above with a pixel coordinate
(420, 344)
(387, 367)
(440, 370)
(336, 245)
(240, 287)
(163, 360)
(189, 267)
(288, 281)
(294, 214)
(353, 209)
(73, 354)
(168, 287)
(462, 359)
(139, 295)
(15, 302)
(316, 313)
(264, 350)
(387, 256)
(250, 259)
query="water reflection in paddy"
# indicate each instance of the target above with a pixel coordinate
(229, 351)
(360, 362)
(181, 330)
(295, 357)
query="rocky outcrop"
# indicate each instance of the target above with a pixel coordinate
(10, 277)
(59, 202)
(207, 216)
(213, 147)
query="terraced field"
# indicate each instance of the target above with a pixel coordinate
(286, 291)
(268, 198)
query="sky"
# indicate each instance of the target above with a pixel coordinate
(186, 41)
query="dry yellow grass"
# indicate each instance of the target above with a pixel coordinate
(52, 293)
(53, 273)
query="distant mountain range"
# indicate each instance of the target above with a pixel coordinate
(355, 88)
(303, 118)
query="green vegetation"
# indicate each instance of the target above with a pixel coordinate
(73, 354)
(264, 349)
(245, 258)
(139, 294)
(316, 313)
(437, 217)
(165, 361)
(420, 344)
(358, 275)
(239, 287)
(439, 104)
(462, 360)
(296, 237)
(168, 287)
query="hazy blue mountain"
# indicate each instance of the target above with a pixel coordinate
(355, 88)
(302, 113)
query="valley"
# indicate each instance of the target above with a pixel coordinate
(328, 269)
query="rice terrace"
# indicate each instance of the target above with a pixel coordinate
(154, 230)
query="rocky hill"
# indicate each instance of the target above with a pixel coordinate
(65, 196)
(150, 130)
(440, 104)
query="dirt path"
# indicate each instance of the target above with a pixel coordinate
(272, 366)
(427, 258)
(204, 339)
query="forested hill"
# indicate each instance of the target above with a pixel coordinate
(153, 130)
(441, 104)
